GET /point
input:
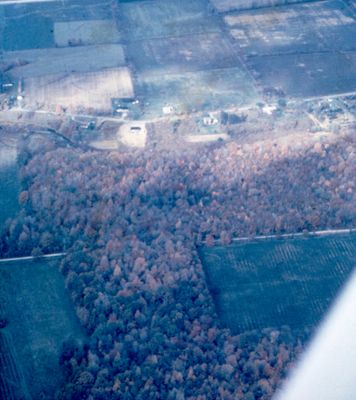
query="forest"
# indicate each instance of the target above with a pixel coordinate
(130, 224)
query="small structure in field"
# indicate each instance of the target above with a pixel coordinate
(269, 109)
(168, 110)
(210, 120)
(133, 134)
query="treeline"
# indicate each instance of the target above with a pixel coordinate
(130, 223)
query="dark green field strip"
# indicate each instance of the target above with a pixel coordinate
(275, 282)
(28, 32)
(41, 317)
(9, 191)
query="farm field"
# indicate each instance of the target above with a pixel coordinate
(27, 32)
(90, 90)
(9, 188)
(31, 63)
(231, 5)
(309, 27)
(307, 50)
(65, 54)
(192, 55)
(40, 317)
(176, 54)
(45, 25)
(304, 50)
(25, 22)
(64, 10)
(308, 75)
(12, 381)
(85, 32)
(199, 90)
(165, 18)
(276, 282)
(181, 57)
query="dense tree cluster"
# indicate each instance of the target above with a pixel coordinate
(130, 223)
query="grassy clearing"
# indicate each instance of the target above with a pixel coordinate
(278, 282)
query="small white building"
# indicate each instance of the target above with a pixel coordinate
(167, 110)
(269, 109)
(210, 120)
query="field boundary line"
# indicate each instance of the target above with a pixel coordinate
(7, 2)
(289, 235)
(29, 258)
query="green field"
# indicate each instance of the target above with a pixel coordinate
(9, 184)
(276, 282)
(40, 317)
(27, 32)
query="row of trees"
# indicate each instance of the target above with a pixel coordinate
(130, 223)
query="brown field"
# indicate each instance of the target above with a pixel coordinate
(34, 62)
(79, 90)
(85, 32)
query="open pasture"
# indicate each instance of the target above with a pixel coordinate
(40, 317)
(164, 18)
(90, 90)
(200, 90)
(325, 26)
(308, 74)
(182, 54)
(276, 282)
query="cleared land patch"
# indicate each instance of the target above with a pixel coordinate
(40, 317)
(276, 282)
(79, 90)
(85, 32)
(201, 90)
